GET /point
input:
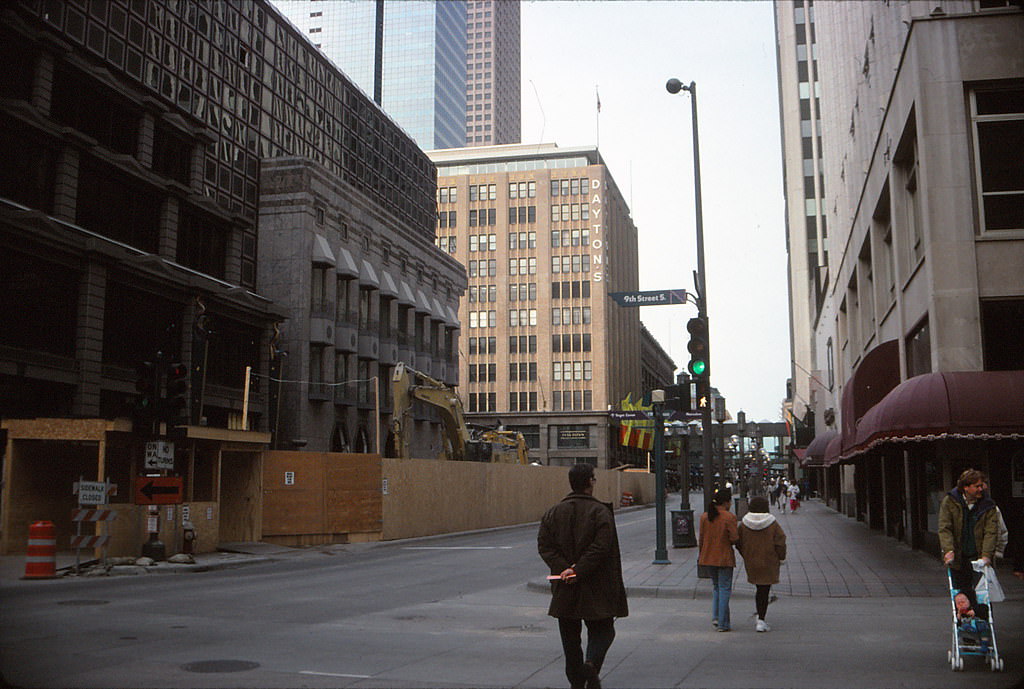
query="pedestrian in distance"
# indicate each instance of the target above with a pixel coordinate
(794, 497)
(968, 530)
(578, 541)
(762, 543)
(718, 533)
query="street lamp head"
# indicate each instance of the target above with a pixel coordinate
(675, 86)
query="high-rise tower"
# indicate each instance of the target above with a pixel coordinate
(444, 65)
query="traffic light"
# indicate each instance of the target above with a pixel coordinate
(698, 347)
(147, 382)
(175, 387)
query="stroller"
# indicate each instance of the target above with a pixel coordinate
(973, 636)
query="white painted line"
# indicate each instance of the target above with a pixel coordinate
(334, 674)
(458, 547)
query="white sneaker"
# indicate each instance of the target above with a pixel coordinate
(762, 626)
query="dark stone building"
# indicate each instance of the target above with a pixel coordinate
(130, 170)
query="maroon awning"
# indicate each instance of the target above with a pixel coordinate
(877, 374)
(815, 453)
(952, 404)
(835, 447)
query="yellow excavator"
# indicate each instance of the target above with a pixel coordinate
(462, 441)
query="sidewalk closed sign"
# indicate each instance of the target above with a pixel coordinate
(159, 455)
(91, 492)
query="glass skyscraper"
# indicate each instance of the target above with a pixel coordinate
(424, 76)
(443, 62)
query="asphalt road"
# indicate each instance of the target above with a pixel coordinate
(454, 612)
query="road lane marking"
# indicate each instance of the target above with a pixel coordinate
(457, 547)
(333, 674)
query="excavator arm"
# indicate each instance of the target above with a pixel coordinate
(408, 385)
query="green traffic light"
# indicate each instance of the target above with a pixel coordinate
(697, 367)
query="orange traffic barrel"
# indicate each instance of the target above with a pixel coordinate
(41, 560)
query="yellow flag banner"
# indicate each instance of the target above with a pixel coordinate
(636, 433)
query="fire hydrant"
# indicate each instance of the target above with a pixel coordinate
(189, 539)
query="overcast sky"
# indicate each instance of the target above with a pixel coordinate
(626, 51)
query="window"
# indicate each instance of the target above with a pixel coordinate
(919, 350)
(998, 117)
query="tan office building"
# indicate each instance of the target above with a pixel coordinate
(545, 236)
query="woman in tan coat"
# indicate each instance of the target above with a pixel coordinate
(762, 543)
(716, 537)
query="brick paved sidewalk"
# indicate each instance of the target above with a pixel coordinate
(829, 556)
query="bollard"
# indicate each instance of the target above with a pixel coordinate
(41, 558)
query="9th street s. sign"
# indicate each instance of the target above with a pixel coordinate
(662, 297)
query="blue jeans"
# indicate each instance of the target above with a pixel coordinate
(721, 583)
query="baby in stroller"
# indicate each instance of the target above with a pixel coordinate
(972, 621)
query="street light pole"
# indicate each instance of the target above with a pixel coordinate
(675, 86)
(660, 549)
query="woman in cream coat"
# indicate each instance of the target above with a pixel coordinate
(762, 544)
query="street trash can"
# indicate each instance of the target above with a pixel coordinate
(683, 533)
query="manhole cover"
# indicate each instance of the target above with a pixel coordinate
(221, 666)
(83, 602)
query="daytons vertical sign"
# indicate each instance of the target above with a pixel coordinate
(597, 240)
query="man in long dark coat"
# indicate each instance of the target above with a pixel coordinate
(578, 541)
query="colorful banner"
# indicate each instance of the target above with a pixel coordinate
(639, 434)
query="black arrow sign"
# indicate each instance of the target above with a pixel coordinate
(149, 490)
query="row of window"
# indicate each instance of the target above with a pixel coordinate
(483, 373)
(482, 293)
(527, 371)
(522, 401)
(572, 370)
(578, 263)
(482, 192)
(522, 371)
(569, 315)
(567, 212)
(527, 344)
(483, 216)
(576, 289)
(569, 187)
(489, 242)
(571, 400)
(519, 215)
(483, 345)
(489, 192)
(516, 240)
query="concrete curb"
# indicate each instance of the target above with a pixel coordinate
(634, 591)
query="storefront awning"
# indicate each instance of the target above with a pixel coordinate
(368, 276)
(815, 454)
(876, 375)
(832, 450)
(322, 254)
(388, 287)
(406, 296)
(346, 264)
(979, 405)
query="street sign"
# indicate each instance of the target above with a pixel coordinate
(91, 492)
(159, 455)
(631, 415)
(158, 490)
(656, 298)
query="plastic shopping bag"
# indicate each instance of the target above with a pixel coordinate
(995, 589)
